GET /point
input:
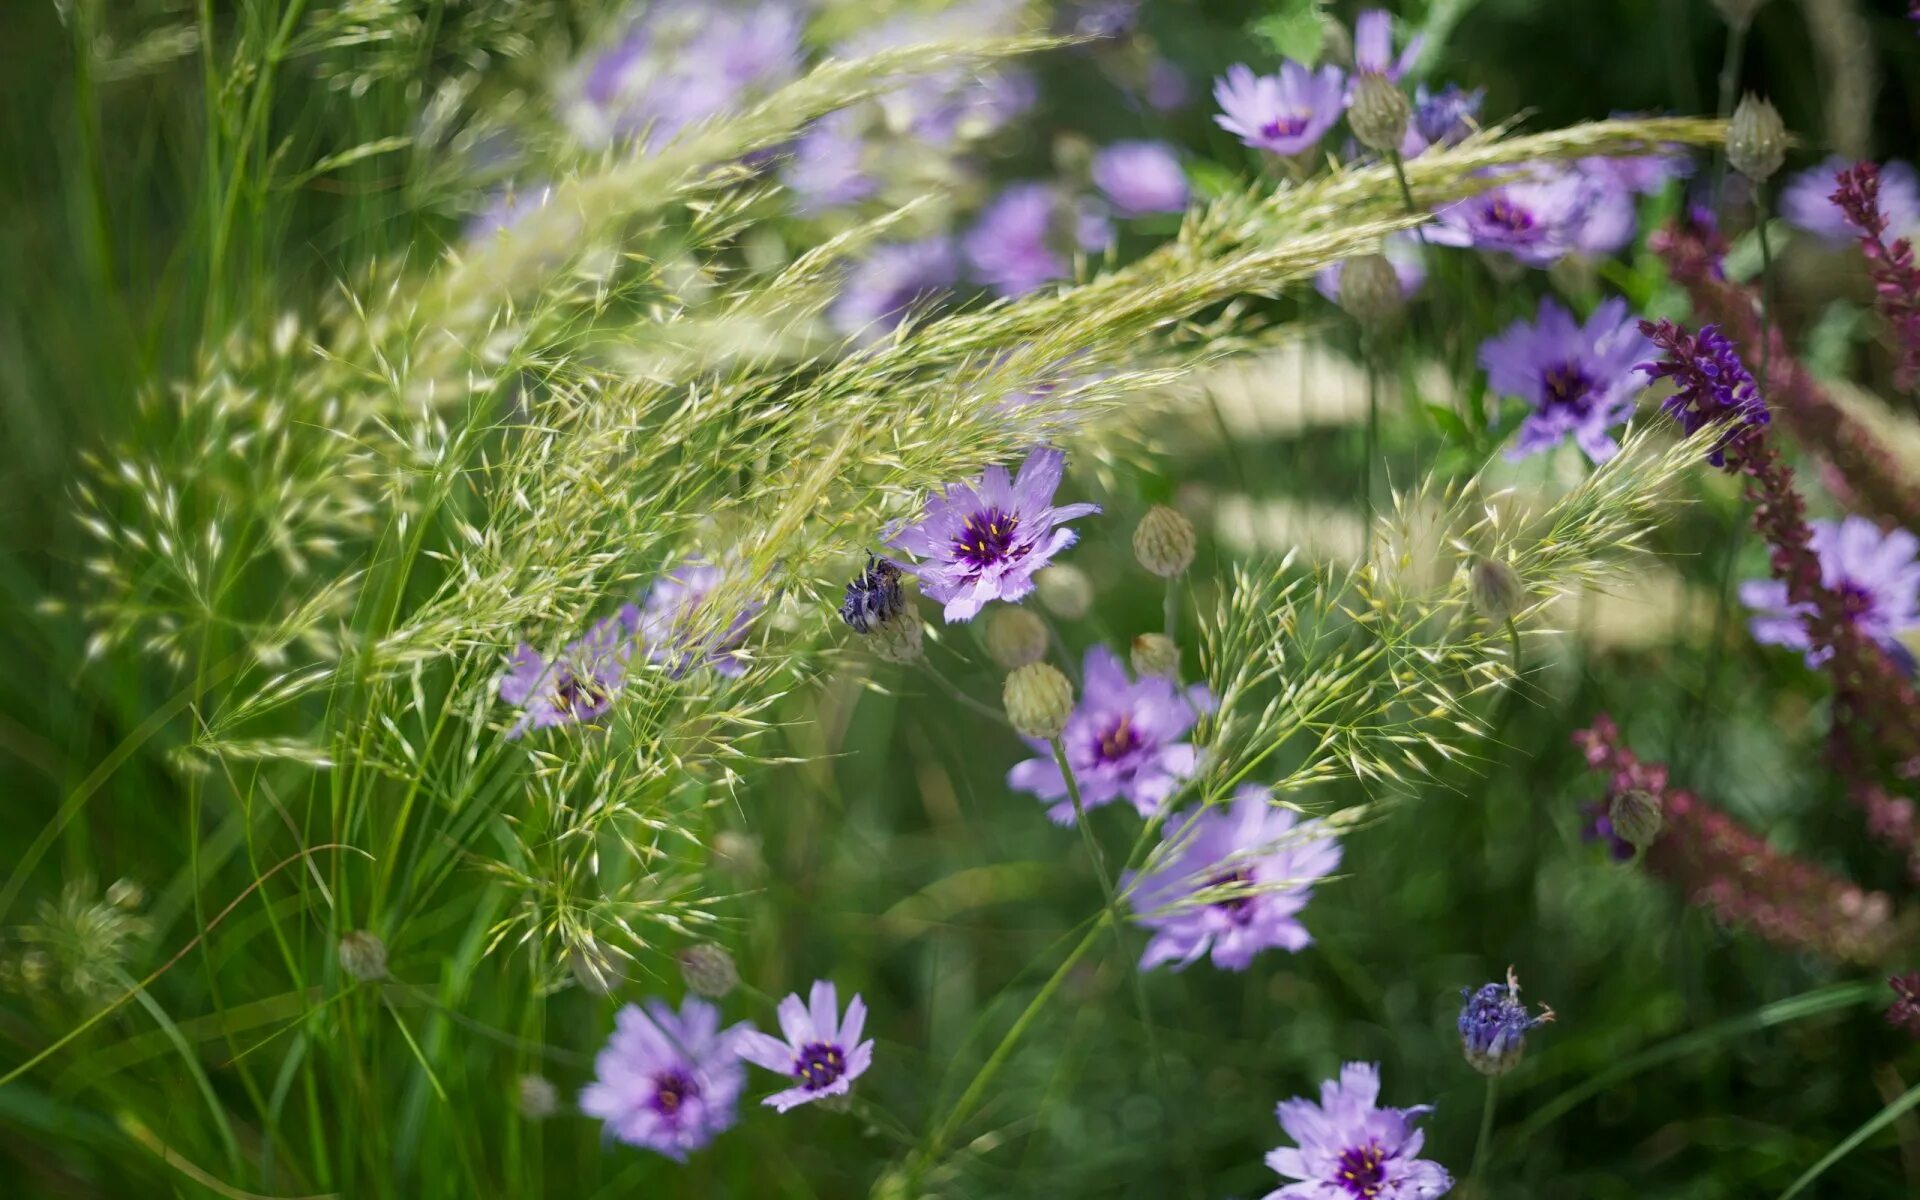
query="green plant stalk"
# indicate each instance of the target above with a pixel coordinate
(1486, 1135)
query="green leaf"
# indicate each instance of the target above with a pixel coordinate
(1295, 30)
(1451, 426)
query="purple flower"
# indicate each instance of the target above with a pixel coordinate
(1534, 218)
(1442, 118)
(1022, 239)
(1350, 1149)
(982, 541)
(825, 1054)
(883, 287)
(1904, 1012)
(1373, 46)
(667, 1081)
(939, 108)
(679, 631)
(1611, 187)
(506, 208)
(1400, 249)
(579, 683)
(1578, 380)
(1284, 113)
(1141, 177)
(1874, 572)
(1105, 18)
(1166, 86)
(827, 169)
(1122, 741)
(1807, 201)
(1234, 884)
(1711, 384)
(1493, 1025)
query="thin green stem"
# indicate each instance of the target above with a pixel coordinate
(1486, 1135)
(1730, 66)
(1170, 611)
(1766, 283)
(1086, 836)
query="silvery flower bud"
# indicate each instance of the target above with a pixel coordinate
(1038, 700)
(900, 640)
(1156, 654)
(708, 970)
(737, 853)
(1379, 112)
(1370, 289)
(1015, 637)
(1163, 541)
(1636, 817)
(1065, 590)
(126, 894)
(363, 956)
(1495, 589)
(536, 1097)
(591, 968)
(1756, 139)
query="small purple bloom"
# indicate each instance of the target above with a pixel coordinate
(1123, 741)
(667, 1081)
(1442, 118)
(1373, 46)
(679, 632)
(1141, 177)
(982, 541)
(1493, 1025)
(1022, 240)
(824, 1053)
(827, 169)
(884, 286)
(1348, 1148)
(1284, 113)
(579, 684)
(1711, 385)
(1166, 86)
(1233, 885)
(1807, 201)
(1534, 218)
(1579, 381)
(1401, 249)
(1611, 187)
(506, 208)
(1874, 572)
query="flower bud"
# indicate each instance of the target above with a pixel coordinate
(737, 854)
(536, 1097)
(363, 956)
(591, 968)
(1065, 590)
(1379, 112)
(127, 895)
(1038, 700)
(1495, 589)
(900, 640)
(1015, 637)
(1756, 139)
(1163, 541)
(708, 970)
(1156, 654)
(1370, 289)
(1494, 1025)
(1636, 817)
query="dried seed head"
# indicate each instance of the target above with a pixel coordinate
(1065, 590)
(1370, 289)
(1156, 654)
(1495, 589)
(1636, 817)
(126, 894)
(1163, 541)
(363, 956)
(1379, 112)
(1756, 139)
(1015, 637)
(708, 970)
(1038, 700)
(737, 853)
(536, 1097)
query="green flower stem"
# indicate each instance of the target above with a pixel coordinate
(1486, 1135)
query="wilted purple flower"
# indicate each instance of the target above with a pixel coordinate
(1348, 1148)
(1442, 118)
(1373, 46)
(982, 541)
(874, 596)
(1578, 380)
(1494, 1024)
(1123, 741)
(1401, 249)
(1807, 201)
(1140, 177)
(1875, 574)
(1022, 239)
(824, 1053)
(885, 285)
(579, 684)
(1234, 884)
(678, 631)
(827, 169)
(1535, 218)
(667, 1081)
(1711, 385)
(1284, 113)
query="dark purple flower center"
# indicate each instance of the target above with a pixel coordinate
(1362, 1170)
(1117, 740)
(819, 1064)
(986, 538)
(1856, 598)
(1286, 125)
(1567, 385)
(1508, 217)
(671, 1091)
(1238, 906)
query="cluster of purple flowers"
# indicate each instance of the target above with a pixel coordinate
(670, 628)
(670, 1082)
